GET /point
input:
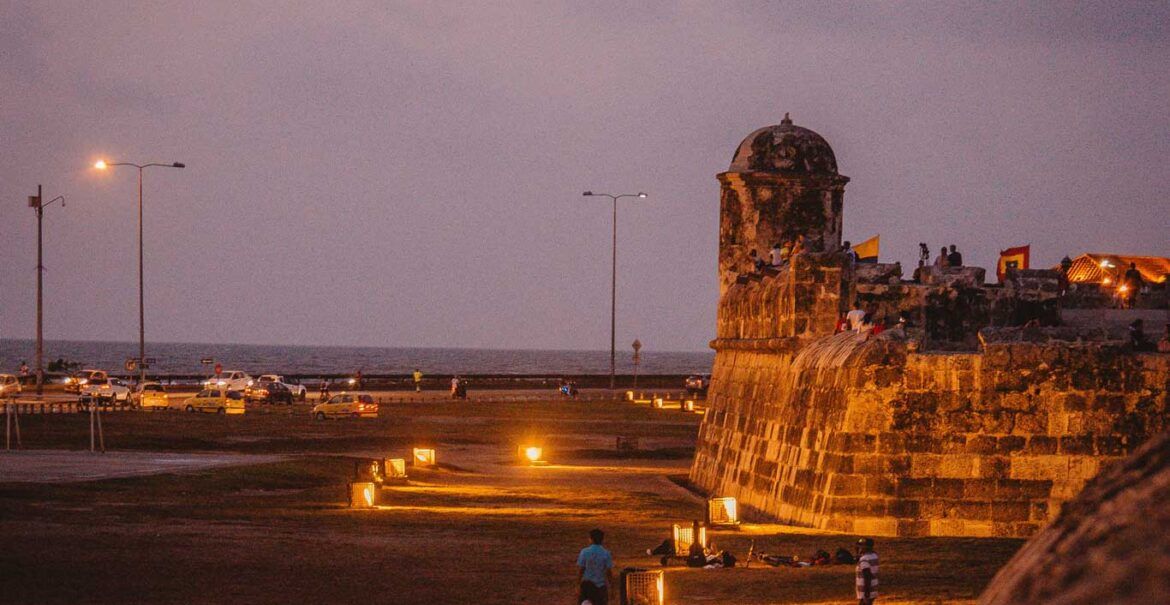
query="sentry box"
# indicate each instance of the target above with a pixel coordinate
(722, 512)
(362, 494)
(423, 457)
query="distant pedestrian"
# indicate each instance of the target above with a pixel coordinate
(854, 317)
(923, 254)
(1133, 283)
(955, 258)
(850, 253)
(358, 380)
(417, 380)
(24, 368)
(594, 571)
(798, 246)
(454, 387)
(940, 261)
(777, 255)
(324, 389)
(756, 261)
(867, 572)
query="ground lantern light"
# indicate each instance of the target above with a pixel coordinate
(689, 405)
(645, 587)
(362, 494)
(394, 469)
(722, 511)
(532, 454)
(424, 456)
(659, 402)
(683, 536)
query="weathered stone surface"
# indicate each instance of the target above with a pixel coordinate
(1108, 545)
(947, 427)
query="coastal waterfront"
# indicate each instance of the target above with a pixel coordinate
(184, 358)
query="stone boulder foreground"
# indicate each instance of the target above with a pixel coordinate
(1109, 545)
(979, 412)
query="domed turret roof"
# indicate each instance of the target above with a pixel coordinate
(785, 149)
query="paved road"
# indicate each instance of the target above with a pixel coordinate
(61, 466)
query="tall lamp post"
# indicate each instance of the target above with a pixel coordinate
(102, 165)
(38, 203)
(613, 289)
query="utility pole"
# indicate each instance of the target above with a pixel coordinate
(37, 203)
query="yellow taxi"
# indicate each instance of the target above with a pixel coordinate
(218, 401)
(151, 396)
(342, 405)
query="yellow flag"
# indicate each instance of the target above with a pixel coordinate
(867, 251)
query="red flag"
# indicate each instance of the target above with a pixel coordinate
(1012, 258)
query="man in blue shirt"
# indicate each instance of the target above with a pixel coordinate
(595, 571)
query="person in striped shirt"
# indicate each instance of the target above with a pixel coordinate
(867, 572)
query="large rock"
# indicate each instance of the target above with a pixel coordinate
(1109, 545)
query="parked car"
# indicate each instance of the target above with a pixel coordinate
(356, 405)
(9, 385)
(298, 390)
(150, 396)
(218, 401)
(232, 380)
(269, 392)
(697, 384)
(81, 378)
(109, 390)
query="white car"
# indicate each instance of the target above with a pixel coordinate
(298, 390)
(232, 380)
(9, 385)
(110, 389)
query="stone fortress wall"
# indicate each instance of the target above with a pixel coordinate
(969, 423)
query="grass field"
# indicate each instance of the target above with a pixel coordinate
(481, 528)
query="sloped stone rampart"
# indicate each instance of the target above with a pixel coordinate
(868, 437)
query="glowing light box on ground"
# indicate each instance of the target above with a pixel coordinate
(424, 456)
(362, 494)
(394, 469)
(645, 588)
(683, 536)
(722, 511)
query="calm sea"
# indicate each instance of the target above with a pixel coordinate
(184, 358)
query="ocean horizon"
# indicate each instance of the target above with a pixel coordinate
(185, 358)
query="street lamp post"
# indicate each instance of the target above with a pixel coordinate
(613, 289)
(102, 165)
(38, 204)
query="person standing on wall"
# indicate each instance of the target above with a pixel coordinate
(940, 261)
(594, 571)
(867, 572)
(417, 380)
(777, 255)
(854, 318)
(955, 258)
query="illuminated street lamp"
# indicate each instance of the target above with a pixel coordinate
(613, 289)
(102, 165)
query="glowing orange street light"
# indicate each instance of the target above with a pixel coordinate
(102, 165)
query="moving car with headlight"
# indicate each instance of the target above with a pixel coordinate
(342, 405)
(9, 385)
(110, 390)
(216, 401)
(151, 396)
(298, 390)
(268, 392)
(232, 380)
(697, 385)
(80, 379)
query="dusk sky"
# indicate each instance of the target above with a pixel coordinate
(410, 174)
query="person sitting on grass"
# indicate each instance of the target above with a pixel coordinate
(594, 570)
